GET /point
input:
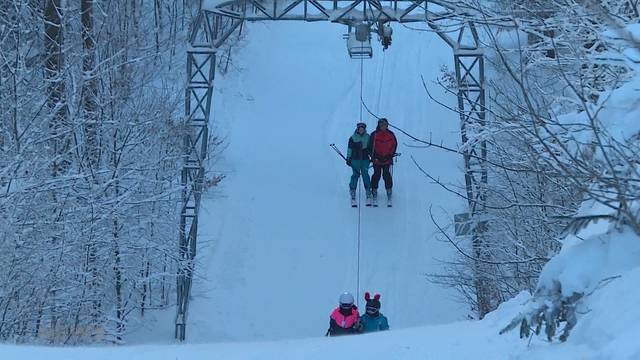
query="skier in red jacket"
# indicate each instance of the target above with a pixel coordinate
(383, 145)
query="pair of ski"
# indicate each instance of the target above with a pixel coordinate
(374, 203)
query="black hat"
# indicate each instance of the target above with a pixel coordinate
(383, 121)
(372, 303)
(361, 125)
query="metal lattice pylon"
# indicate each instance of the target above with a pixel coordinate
(214, 25)
(471, 106)
(201, 60)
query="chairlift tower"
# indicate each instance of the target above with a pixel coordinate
(216, 21)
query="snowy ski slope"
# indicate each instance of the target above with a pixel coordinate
(281, 239)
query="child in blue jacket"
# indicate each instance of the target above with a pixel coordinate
(373, 320)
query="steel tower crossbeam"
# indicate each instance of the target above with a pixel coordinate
(442, 16)
(453, 21)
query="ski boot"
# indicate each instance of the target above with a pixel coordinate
(368, 203)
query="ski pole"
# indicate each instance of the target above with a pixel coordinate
(334, 147)
(395, 156)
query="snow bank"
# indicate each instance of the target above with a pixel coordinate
(605, 268)
(612, 324)
(583, 267)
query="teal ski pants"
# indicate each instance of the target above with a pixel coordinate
(360, 168)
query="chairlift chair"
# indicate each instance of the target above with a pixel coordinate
(359, 49)
(359, 42)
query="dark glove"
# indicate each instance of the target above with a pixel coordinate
(358, 327)
(349, 162)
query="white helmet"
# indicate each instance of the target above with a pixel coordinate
(346, 299)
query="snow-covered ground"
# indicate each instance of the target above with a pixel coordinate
(455, 341)
(460, 340)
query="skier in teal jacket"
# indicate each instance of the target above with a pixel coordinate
(358, 155)
(373, 320)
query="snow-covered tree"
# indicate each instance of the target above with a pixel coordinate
(552, 59)
(91, 118)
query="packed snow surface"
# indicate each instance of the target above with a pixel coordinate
(459, 340)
